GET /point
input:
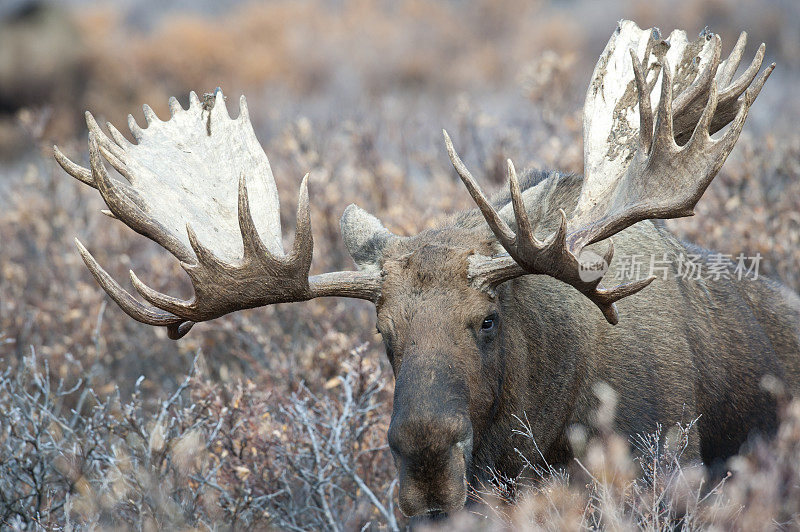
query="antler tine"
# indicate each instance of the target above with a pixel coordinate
(244, 113)
(118, 164)
(118, 137)
(700, 85)
(759, 83)
(645, 108)
(128, 303)
(150, 116)
(206, 258)
(497, 224)
(84, 175)
(700, 133)
(102, 139)
(303, 246)
(172, 305)
(176, 331)
(558, 240)
(219, 103)
(621, 291)
(730, 101)
(664, 136)
(174, 106)
(124, 208)
(524, 228)
(253, 246)
(254, 249)
(136, 131)
(731, 64)
(606, 299)
(113, 151)
(747, 77)
(735, 129)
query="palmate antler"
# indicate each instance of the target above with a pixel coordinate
(636, 167)
(190, 182)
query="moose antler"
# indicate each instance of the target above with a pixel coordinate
(190, 184)
(634, 168)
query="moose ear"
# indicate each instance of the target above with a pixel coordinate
(365, 237)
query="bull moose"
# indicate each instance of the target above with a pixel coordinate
(493, 315)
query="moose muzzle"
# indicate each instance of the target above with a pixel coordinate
(430, 437)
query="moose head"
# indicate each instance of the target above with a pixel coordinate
(453, 322)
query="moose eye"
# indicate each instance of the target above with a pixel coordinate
(489, 323)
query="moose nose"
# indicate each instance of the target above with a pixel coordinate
(432, 456)
(430, 436)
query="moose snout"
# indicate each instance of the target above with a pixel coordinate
(432, 457)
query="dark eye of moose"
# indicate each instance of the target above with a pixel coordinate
(489, 323)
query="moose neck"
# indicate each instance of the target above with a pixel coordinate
(544, 363)
(543, 380)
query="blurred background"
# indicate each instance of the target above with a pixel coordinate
(356, 93)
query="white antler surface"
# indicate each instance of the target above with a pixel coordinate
(611, 111)
(186, 171)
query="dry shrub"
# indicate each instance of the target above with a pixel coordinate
(643, 483)
(203, 457)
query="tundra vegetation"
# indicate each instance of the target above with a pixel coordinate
(282, 420)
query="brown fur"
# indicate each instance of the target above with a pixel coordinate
(682, 350)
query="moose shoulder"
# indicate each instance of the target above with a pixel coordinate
(496, 315)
